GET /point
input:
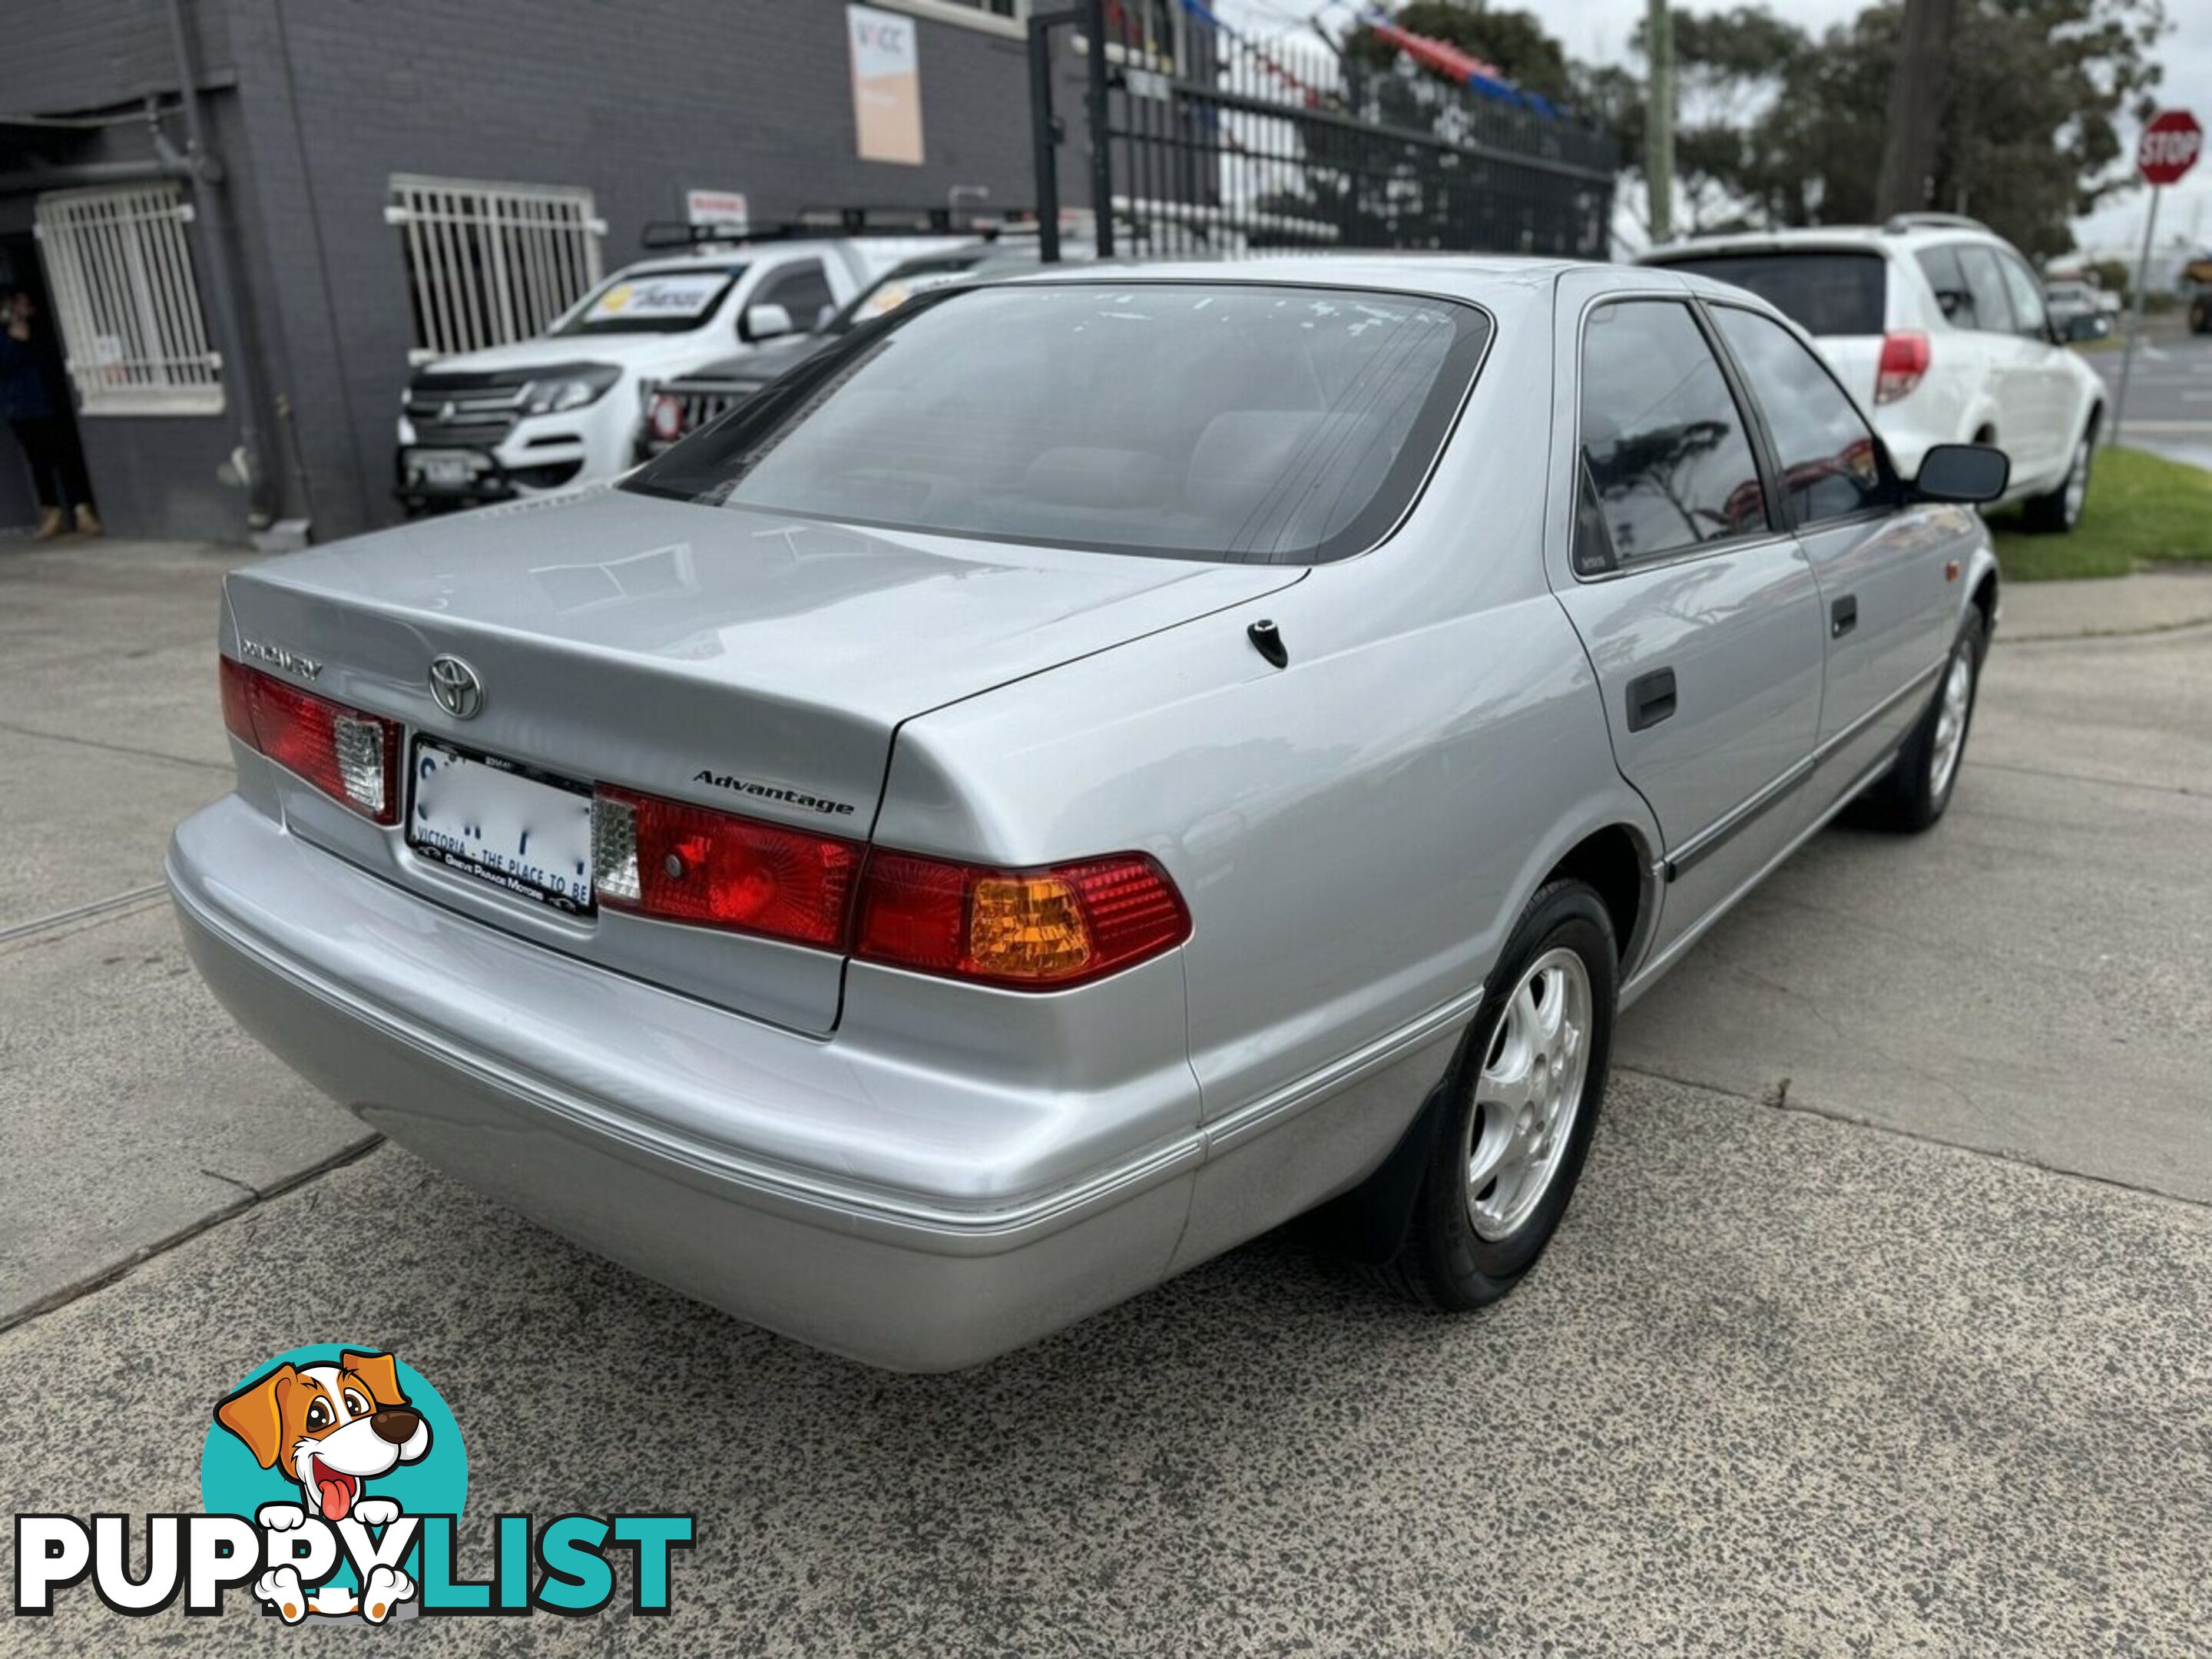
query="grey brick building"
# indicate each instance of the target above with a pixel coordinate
(290, 270)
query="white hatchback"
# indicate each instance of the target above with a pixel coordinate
(1939, 327)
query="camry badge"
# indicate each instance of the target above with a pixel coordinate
(456, 687)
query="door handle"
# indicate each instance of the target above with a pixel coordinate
(1651, 698)
(1843, 616)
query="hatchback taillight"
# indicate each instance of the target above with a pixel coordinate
(1036, 929)
(351, 756)
(1906, 354)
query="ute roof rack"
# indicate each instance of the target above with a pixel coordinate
(815, 223)
(1897, 221)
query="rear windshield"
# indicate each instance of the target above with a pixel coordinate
(1246, 422)
(1822, 293)
(655, 302)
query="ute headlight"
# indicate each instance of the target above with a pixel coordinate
(570, 388)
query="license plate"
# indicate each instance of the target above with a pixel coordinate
(456, 470)
(525, 831)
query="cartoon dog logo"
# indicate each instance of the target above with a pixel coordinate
(332, 1429)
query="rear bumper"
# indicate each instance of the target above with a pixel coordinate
(463, 1045)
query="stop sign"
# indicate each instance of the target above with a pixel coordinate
(2170, 147)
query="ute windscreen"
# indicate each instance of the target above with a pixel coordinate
(1222, 420)
(1822, 293)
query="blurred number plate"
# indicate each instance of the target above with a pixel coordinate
(512, 825)
(455, 469)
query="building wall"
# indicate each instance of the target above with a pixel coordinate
(312, 109)
(637, 102)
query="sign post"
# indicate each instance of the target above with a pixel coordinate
(2168, 148)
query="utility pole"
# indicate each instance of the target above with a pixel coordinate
(1659, 118)
(1916, 108)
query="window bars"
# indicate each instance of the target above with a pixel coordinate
(488, 264)
(126, 300)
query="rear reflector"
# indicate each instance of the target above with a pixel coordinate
(1030, 929)
(1905, 358)
(682, 863)
(351, 757)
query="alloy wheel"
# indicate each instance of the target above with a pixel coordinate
(1951, 711)
(1528, 1094)
(2077, 484)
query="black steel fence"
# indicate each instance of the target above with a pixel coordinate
(1209, 140)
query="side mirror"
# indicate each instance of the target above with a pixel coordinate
(1963, 473)
(2086, 325)
(765, 322)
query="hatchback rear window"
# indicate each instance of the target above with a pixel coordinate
(1822, 293)
(1239, 422)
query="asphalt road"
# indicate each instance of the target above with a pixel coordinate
(2169, 407)
(1883, 1322)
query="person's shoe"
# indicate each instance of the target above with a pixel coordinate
(50, 525)
(87, 522)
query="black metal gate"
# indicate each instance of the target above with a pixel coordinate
(1206, 141)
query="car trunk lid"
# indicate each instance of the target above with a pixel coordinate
(741, 661)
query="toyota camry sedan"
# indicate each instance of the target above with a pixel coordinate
(1087, 769)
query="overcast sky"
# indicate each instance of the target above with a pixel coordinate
(1600, 30)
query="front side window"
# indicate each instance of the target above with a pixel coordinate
(2028, 315)
(801, 290)
(1986, 283)
(1669, 458)
(1238, 421)
(1831, 467)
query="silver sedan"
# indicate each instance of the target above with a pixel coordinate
(1085, 770)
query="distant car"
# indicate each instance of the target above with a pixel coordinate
(2196, 291)
(564, 408)
(1941, 328)
(1085, 770)
(686, 404)
(2066, 299)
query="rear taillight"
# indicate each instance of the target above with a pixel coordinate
(1032, 929)
(351, 757)
(681, 863)
(1905, 358)
(1036, 929)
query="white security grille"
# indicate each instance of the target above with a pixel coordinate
(126, 300)
(488, 263)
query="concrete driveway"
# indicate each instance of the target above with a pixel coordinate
(1883, 1322)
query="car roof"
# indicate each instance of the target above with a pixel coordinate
(1462, 276)
(720, 256)
(1900, 236)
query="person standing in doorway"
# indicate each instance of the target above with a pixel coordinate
(35, 400)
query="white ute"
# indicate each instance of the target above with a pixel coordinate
(564, 408)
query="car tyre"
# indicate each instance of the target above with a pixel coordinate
(1525, 1090)
(1913, 793)
(2057, 511)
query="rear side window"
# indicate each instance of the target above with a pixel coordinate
(1940, 266)
(1986, 283)
(1830, 466)
(1238, 422)
(1822, 293)
(2028, 316)
(1670, 462)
